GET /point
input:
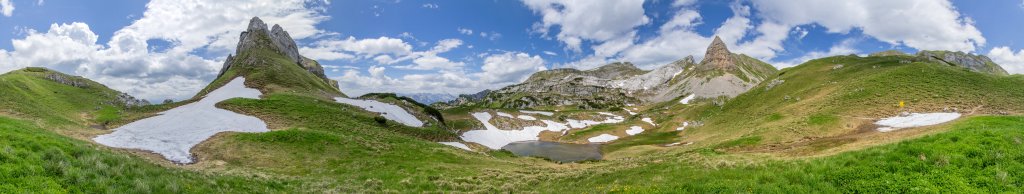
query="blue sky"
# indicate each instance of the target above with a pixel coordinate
(171, 49)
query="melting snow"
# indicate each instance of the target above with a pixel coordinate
(630, 112)
(687, 99)
(527, 117)
(584, 123)
(648, 120)
(505, 115)
(915, 120)
(603, 138)
(494, 138)
(389, 111)
(634, 130)
(684, 126)
(538, 112)
(174, 132)
(457, 144)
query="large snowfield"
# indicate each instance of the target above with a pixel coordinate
(915, 120)
(389, 111)
(174, 132)
(495, 138)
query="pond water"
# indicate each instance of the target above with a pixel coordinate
(555, 151)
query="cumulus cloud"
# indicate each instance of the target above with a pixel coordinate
(919, 24)
(465, 31)
(428, 60)
(1005, 57)
(127, 64)
(333, 49)
(588, 20)
(7, 7)
(508, 68)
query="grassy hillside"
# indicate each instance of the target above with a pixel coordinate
(34, 160)
(351, 152)
(978, 155)
(839, 96)
(28, 93)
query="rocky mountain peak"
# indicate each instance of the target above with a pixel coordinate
(717, 57)
(284, 43)
(276, 39)
(256, 35)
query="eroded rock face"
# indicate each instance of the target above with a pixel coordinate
(285, 44)
(977, 63)
(717, 57)
(66, 80)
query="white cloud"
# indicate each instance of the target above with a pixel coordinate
(465, 31)
(588, 20)
(6, 7)
(333, 49)
(920, 24)
(490, 36)
(126, 63)
(1005, 57)
(428, 60)
(509, 68)
(550, 53)
(430, 6)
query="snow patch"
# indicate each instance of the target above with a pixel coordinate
(648, 120)
(576, 124)
(630, 112)
(603, 138)
(527, 117)
(685, 124)
(915, 120)
(537, 112)
(456, 144)
(505, 115)
(174, 132)
(687, 99)
(389, 111)
(634, 130)
(495, 138)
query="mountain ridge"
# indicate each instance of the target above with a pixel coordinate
(720, 74)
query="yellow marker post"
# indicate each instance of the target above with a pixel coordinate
(901, 104)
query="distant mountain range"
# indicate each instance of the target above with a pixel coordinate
(429, 98)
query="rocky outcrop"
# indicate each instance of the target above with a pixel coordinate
(126, 100)
(66, 80)
(227, 63)
(284, 44)
(314, 67)
(977, 63)
(717, 57)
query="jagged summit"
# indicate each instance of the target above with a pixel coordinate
(270, 61)
(717, 57)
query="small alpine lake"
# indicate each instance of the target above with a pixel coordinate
(555, 151)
